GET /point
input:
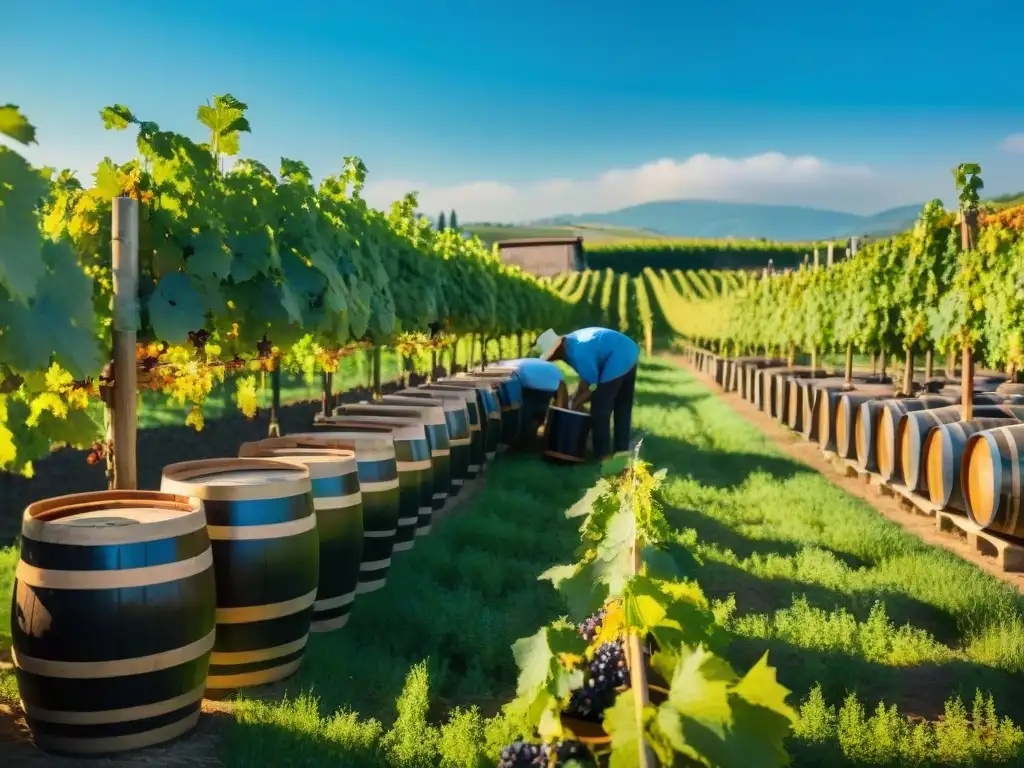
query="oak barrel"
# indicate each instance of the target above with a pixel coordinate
(415, 472)
(990, 479)
(510, 396)
(565, 434)
(943, 457)
(485, 437)
(913, 429)
(379, 486)
(456, 416)
(432, 418)
(826, 411)
(871, 426)
(338, 502)
(887, 422)
(112, 619)
(266, 562)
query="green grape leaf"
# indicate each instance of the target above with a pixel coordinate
(175, 308)
(586, 503)
(579, 586)
(226, 120)
(210, 260)
(621, 723)
(21, 258)
(57, 323)
(117, 117)
(643, 605)
(762, 714)
(251, 255)
(615, 465)
(15, 125)
(670, 562)
(108, 179)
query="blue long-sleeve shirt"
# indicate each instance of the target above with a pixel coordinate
(540, 375)
(599, 355)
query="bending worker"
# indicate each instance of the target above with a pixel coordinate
(606, 362)
(542, 381)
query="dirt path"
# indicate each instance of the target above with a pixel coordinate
(809, 454)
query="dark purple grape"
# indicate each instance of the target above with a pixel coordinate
(525, 754)
(606, 673)
(589, 628)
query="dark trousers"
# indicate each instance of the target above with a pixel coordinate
(534, 411)
(613, 398)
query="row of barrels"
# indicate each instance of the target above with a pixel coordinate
(972, 467)
(130, 607)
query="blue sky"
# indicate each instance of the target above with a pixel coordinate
(515, 110)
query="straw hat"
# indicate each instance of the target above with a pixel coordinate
(548, 343)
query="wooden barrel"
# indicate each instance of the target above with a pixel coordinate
(432, 418)
(338, 502)
(869, 427)
(990, 479)
(826, 410)
(943, 456)
(112, 619)
(489, 402)
(913, 429)
(887, 420)
(565, 434)
(456, 416)
(488, 414)
(510, 397)
(266, 562)
(378, 483)
(415, 472)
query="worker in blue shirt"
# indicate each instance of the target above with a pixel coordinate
(542, 382)
(606, 362)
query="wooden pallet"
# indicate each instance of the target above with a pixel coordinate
(848, 467)
(1008, 555)
(910, 501)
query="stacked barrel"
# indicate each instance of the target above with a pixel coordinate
(130, 606)
(920, 443)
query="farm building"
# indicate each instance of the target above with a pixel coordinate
(544, 256)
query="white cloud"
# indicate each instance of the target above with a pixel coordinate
(767, 178)
(1013, 143)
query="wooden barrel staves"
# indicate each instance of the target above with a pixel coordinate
(112, 619)
(415, 472)
(266, 560)
(510, 397)
(338, 503)
(379, 486)
(991, 479)
(456, 417)
(912, 432)
(829, 415)
(943, 456)
(489, 405)
(888, 418)
(565, 434)
(483, 436)
(432, 418)
(872, 433)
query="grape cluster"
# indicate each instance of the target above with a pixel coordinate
(97, 452)
(525, 754)
(607, 673)
(589, 628)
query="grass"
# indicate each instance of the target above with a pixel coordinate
(492, 233)
(865, 623)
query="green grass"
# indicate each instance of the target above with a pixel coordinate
(865, 624)
(492, 233)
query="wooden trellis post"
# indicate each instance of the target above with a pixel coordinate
(122, 409)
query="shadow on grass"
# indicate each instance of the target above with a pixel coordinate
(718, 469)
(921, 689)
(458, 600)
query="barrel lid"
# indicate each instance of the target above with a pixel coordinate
(429, 414)
(450, 402)
(102, 517)
(450, 392)
(242, 479)
(321, 462)
(368, 446)
(567, 410)
(401, 429)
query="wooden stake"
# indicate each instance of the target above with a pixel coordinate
(849, 366)
(327, 400)
(274, 430)
(908, 373)
(375, 383)
(830, 258)
(122, 417)
(967, 384)
(929, 363)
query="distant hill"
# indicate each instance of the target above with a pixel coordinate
(718, 220)
(593, 233)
